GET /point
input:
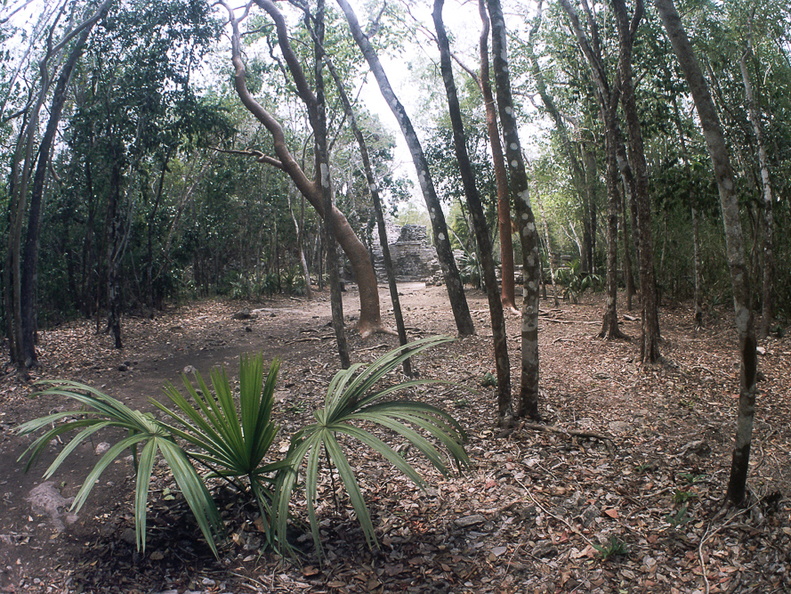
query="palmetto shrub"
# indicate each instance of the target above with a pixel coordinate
(212, 431)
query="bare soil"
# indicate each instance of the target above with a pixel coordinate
(621, 490)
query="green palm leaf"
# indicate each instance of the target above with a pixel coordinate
(351, 399)
(105, 412)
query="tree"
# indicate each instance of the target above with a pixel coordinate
(649, 343)
(313, 190)
(528, 233)
(498, 161)
(502, 364)
(458, 301)
(767, 297)
(607, 94)
(729, 204)
(30, 168)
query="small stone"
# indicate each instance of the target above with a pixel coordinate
(472, 520)
(544, 549)
(589, 515)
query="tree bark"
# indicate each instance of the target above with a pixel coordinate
(729, 203)
(607, 96)
(370, 314)
(649, 343)
(458, 301)
(518, 184)
(507, 289)
(502, 364)
(767, 293)
(322, 156)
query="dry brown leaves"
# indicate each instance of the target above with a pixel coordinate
(624, 494)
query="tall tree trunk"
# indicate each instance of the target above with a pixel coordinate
(29, 272)
(458, 301)
(507, 289)
(323, 166)
(518, 184)
(767, 297)
(649, 344)
(359, 258)
(21, 279)
(607, 96)
(729, 203)
(373, 188)
(628, 271)
(479, 225)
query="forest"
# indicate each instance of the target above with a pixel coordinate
(605, 186)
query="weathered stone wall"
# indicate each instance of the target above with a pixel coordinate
(414, 258)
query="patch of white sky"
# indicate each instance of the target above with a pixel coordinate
(407, 70)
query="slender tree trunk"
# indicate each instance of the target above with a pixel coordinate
(590, 208)
(301, 248)
(29, 272)
(114, 249)
(458, 301)
(323, 166)
(373, 188)
(607, 97)
(550, 255)
(649, 344)
(767, 297)
(518, 184)
(628, 271)
(479, 225)
(698, 315)
(507, 289)
(734, 241)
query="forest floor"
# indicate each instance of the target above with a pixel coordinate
(620, 491)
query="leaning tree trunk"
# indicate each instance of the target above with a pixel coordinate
(507, 289)
(502, 364)
(531, 259)
(458, 301)
(359, 258)
(373, 188)
(734, 242)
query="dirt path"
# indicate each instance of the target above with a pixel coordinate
(527, 518)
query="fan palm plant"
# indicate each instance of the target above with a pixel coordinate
(232, 437)
(104, 412)
(231, 441)
(351, 400)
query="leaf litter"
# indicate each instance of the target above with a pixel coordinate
(620, 490)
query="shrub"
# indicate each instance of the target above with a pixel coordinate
(231, 437)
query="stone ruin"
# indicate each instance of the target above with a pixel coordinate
(414, 258)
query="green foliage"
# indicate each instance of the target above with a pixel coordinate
(681, 496)
(230, 433)
(614, 547)
(679, 518)
(232, 441)
(470, 269)
(143, 431)
(352, 400)
(575, 282)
